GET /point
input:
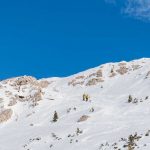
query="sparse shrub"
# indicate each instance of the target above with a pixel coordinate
(86, 97)
(78, 131)
(74, 108)
(71, 140)
(131, 143)
(135, 100)
(76, 141)
(92, 109)
(148, 132)
(130, 99)
(51, 146)
(68, 110)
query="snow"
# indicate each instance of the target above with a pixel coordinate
(113, 118)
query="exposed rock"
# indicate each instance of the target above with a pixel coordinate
(71, 82)
(94, 81)
(99, 73)
(1, 99)
(21, 97)
(37, 96)
(75, 82)
(44, 84)
(122, 64)
(25, 80)
(5, 115)
(122, 70)
(28, 87)
(34, 96)
(91, 75)
(148, 74)
(12, 102)
(78, 83)
(112, 74)
(83, 118)
(8, 93)
(135, 67)
(80, 77)
(79, 80)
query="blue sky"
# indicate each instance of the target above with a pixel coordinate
(45, 38)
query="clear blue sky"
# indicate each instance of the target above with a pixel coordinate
(45, 38)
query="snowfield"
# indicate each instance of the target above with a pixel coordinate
(115, 115)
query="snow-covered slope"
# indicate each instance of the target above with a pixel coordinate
(116, 114)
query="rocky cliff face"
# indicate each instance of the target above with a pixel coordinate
(20, 89)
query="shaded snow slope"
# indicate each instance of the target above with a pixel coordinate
(116, 116)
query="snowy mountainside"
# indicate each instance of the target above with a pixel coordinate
(114, 114)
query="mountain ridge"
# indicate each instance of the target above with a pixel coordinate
(103, 108)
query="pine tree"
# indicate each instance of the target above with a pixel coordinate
(55, 118)
(130, 99)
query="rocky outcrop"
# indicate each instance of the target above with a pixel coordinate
(5, 115)
(94, 81)
(83, 118)
(81, 80)
(12, 102)
(135, 67)
(122, 70)
(25, 88)
(44, 84)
